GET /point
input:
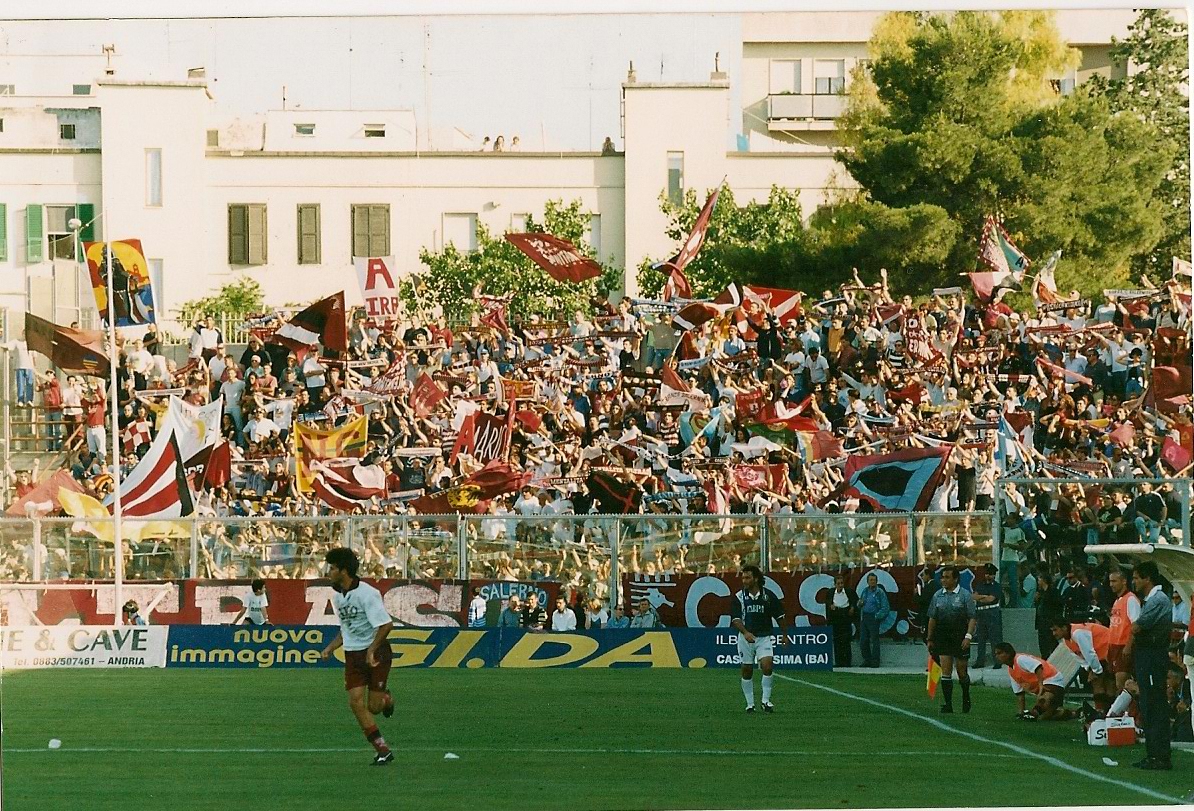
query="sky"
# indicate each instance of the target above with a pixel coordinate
(554, 80)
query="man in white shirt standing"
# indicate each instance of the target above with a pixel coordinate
(563, 618)
(477, 609)
(364, 634)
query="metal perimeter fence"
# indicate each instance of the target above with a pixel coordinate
(592, 551)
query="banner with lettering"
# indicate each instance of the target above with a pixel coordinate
(379, 286)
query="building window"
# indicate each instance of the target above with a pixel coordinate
(830, 76)
(371, 230)
(247, 234)
(304, 130)
(675, 177)
(375, 130)
(61, 239)
(81, 89)
(153, 177)
(1064, 85)
(461, 230)
(518, 223)
(785, 76)
(3, 232)
(593, 233)
(35, 233)
(308, 234)
(213, 138)
(8, 89)
(1, 125)
(66, 131)
(157, 280)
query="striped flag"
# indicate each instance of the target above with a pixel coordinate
(157, 487)
(344, 485)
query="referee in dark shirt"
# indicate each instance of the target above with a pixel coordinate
(952, 619)
(1150, 646)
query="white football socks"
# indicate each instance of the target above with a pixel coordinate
(748, 690)
(767, 689)
(1120, 705)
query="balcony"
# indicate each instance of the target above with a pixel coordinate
(798, 111)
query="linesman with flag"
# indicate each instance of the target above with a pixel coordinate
(952, 619)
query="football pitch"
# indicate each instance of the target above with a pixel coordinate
(543, 739)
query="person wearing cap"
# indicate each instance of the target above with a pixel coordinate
(988, 601)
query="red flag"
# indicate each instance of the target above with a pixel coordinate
(825, 445)
(759, 477)
(529, 419)
(390, 381)
(677, 286)
(425, 395)
(494, 313)
(482, 436)
(669, 378)
(559, 257)
(1174, 455)
(464, 438)
(322, 322)
(1055, 370)
(72, 350)
(45, 492)
(696, 237)
(748, 404)
(693, 315)
(1122, 435)
(218, 469)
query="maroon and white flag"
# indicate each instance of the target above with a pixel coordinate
(562, 260)
(677, 286)
(345, 484)
(157, 487)
(696, 237)
(390, 382)
(493, 313)
(323, 322)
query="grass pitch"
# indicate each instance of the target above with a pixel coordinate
(546, 739)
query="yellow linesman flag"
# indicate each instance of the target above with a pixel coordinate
(934, 677)
(318, 444)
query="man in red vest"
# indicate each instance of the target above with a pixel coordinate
(1091, 643)
(1031, 674)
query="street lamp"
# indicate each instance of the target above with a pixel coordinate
(76, 225)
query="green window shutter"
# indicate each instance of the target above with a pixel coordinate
(3, 232)
(308, 235)
(86, 214)
(360, 231)
(35, 233)
(379, 230)
(258, 235)
(238, 235)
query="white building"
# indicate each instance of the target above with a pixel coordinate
(288, 197)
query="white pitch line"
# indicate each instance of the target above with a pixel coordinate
(1020, 750)
(401, 749)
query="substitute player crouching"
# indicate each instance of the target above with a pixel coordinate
(1031, 674)
(364, 634)
(752, 612)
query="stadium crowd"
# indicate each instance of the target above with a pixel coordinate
(632, 408)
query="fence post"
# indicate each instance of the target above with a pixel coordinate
(461, 549)
(765, 542)
(37, 550)
(194, 548)
(996, 538)
(615, 544)
(911, 555)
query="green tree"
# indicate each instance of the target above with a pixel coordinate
(958, 116)
(501, 269)
(1157, 51)
(235, 300)
(759, 242)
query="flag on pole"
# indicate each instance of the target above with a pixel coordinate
(346, 485)
(131, 285)
(696, 237)
(1182, 268)
(323, 322)
(562, 260)
(157, 487)
(903, 481)
(934, 677)
(1044, 286)
(1006, 264)
(72, 350)
(677, 286)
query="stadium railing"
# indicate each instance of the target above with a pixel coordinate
(593, 550)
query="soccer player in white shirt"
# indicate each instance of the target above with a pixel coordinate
(364, 630)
